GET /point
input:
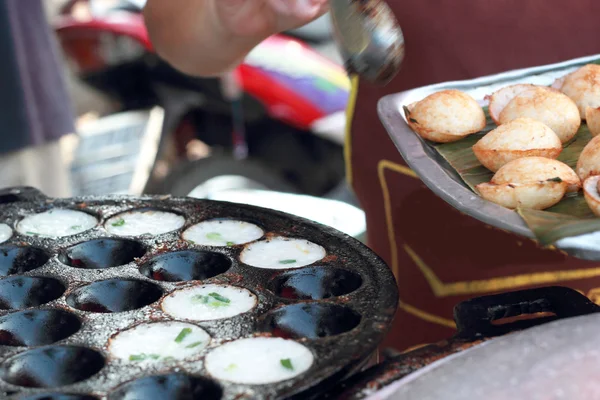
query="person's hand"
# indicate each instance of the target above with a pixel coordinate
(257, 18)
(208, 37)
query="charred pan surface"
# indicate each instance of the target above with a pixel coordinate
(359, 285)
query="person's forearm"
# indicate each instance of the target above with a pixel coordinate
(187, 34)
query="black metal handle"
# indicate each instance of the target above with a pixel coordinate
(474, 322)
(474, 318)
(20, 193)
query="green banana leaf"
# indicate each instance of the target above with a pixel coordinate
(570, 217)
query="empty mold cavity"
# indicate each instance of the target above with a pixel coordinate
(58, 396)
(20, 259)
(173, 387)
(102, 253)
(315, 283)
(17, 292)
(114, 295)
(52, 366)
(37, 327)
(186, 266)
(310, 321)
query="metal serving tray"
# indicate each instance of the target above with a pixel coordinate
(440, 177)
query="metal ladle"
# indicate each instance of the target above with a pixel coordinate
(369, 38)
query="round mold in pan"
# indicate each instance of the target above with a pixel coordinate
(171, 386)
(37, 327)
(145, 221)
(279, 252)
(349, 280)
(6, 232)
(277, 359)
(315, 283)
(208, 302)
(158, 343)
(18, 259)
(102, 253)
(114, 295)
(51, 366)
(222, 232)
(18, 292)
(56, 222)
(56, 396)
(310, 320)
(185, 265)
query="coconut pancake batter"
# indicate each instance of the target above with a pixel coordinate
(439, 256)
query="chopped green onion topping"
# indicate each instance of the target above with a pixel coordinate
(214, 236)
(119, 222)
(76, 227)
(169, 358)
(287, 261)
(191, 346)
(183, 334)
(200, 299)
(142, 357)
(32, 233)
(191, 241)
(231, 367)
(230, 244)
(213, 300)
(219, 297)
(287, 364)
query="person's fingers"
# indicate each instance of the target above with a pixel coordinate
(252, 17)
(323, 9)
(283, 7)
(303, 10)
(238, 7)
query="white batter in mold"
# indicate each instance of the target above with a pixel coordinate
(5, 233)
(208, 302)
(259, 361)
(158, 342)
(56, 223)
(222, 233)
(282, 253)
(144, 222)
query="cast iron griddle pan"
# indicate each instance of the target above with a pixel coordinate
(63, 299)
